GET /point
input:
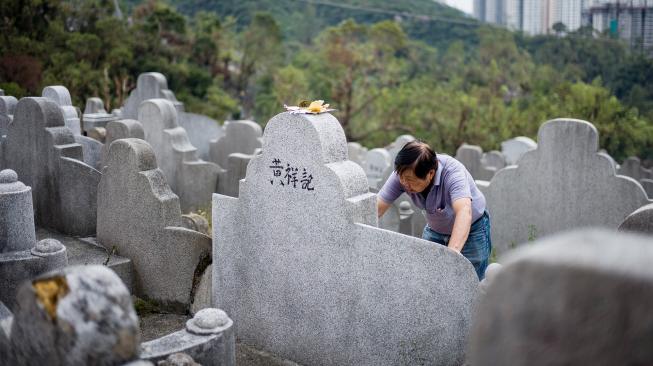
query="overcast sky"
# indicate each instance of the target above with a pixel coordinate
(464, 5)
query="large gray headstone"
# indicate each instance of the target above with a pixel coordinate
(201, 131)
(471, 157)
(640, 221)
(304, 275)
(583, 298)
(139, 215)
(79, 315)
(513, 149)
(192, 179)
(563, 184)
(149, 85)
(61, 96)
(43, 151)
(239, 137)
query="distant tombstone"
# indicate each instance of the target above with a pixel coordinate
(193, 180)
(647, 184)
(239, 137)
(399, 144)
(494, 159)
(470, 156)
(43, 151)
(632, 167)
(61, 96)
(96, 120)
(550, 298)
(150, 85)
(236, 169)
(513, 149)
(201, 131)
(563, 184)
(640, 221)
(120, 129)
(378, 161)
(140, 216)
(21, 257)
(297, 249)
(80, 315)
(7, 108)
(357, 153)
(94, 105)
(2, 92)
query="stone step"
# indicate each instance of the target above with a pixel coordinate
(83, 251)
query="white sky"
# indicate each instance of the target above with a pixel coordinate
(464, 5)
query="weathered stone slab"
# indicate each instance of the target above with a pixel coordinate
(81, 315)
(203, 292)
(304, 276)
(582, 298)
(61, 96)
(563, 184)
(239, 137)
(640, 221)
(514, 148)
(149, 85)
(140, 216)
(201, 131)
(471, 157)
(208, 338)
(194, 180)
(44, 154)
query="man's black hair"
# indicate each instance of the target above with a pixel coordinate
(418, 156)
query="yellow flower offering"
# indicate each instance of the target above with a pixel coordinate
(318, 106)
(306, 107)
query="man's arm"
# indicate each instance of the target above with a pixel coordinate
(381, 206)
(462, 207)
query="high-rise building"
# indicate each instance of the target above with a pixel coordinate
(631, 21)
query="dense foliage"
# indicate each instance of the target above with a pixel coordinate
(441, 77)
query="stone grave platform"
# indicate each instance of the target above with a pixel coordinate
(85, 251)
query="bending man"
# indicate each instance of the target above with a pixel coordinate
(455, 208)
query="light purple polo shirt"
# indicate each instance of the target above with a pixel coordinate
(452, 181)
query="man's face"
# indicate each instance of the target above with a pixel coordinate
(413, 184)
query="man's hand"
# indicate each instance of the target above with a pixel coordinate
(462, 208)
(381, 206)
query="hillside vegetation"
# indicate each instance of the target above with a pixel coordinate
(440, 76)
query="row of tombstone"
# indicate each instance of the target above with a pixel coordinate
(403, 216)
(306, 273)
(54, 314)
(308, 251)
